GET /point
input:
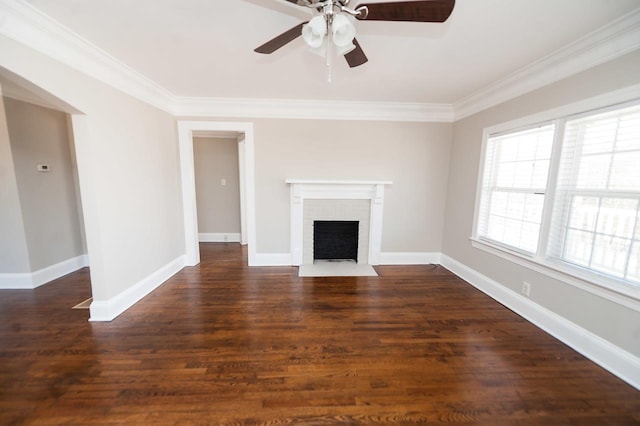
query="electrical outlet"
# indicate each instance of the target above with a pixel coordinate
(526, 288)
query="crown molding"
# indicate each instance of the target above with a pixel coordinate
(29, 26)
(312, 109)
(607, 43)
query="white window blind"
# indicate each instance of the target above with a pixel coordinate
(596, 213)
(513, 187)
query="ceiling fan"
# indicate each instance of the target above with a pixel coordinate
(332, 28)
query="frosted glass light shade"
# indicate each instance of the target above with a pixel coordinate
(315, 32)
(343, 31)
(342, 34)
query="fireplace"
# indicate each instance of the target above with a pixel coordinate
(342, 201)
(335, 240)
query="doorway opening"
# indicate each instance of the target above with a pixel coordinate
(217, 180)
(47, 237)
(243, 133)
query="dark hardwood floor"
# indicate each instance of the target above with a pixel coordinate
(224, 344)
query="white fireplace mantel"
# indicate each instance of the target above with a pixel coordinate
(302, 189)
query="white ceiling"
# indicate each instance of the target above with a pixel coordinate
(204, 48)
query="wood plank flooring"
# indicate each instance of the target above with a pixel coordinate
(224, 344)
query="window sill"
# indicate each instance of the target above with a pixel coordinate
(621, 293)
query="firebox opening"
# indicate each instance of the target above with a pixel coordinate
(335, 240)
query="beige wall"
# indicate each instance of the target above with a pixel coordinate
(622, 326)
(218, 205)
(129, 173)
(48, 200)
(414, 156)
(14, 254)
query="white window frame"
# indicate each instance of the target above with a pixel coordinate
(602, 285)
(485, 141)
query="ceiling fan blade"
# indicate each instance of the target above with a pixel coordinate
(414, 11)
(284, 38)
(356, 57)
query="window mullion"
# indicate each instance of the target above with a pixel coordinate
(595, 231)
(613, 155)
(631, 240)
(550, 191)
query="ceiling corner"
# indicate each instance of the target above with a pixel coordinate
(612, 41)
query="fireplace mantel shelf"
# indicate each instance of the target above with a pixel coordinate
(337, 182)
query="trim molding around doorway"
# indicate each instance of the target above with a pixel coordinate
(186, 130)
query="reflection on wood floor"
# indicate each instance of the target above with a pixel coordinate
(220, 343)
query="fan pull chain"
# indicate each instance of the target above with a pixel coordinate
(329, 20)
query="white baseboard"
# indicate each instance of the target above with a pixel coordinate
(271, 259)
(107, 310)
(409, 258)
(58, 270)
(218, 238)
(604, 353)
(42, 276)
(22, 281)
(389, 258)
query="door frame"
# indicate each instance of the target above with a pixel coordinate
(186, 131)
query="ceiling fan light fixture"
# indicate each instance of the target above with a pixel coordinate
(315, 32)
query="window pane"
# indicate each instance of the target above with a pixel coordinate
(593, 172)
(625, 171)
(578, 247)
(508, 150)
(515, 209)
(499, 203)
(512, 231)
(599, 136)
(495, 229)
(540, 172)
(628, 132)
(527, 147)
(584, 211)
(617, 217)
(529, 236)
(506, 175)
(610, 255)
(523, 174)
(533, 207)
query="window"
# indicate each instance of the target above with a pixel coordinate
(575, 208)
(514, 184)
(595, 223)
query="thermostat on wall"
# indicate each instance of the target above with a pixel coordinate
(43, 168)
